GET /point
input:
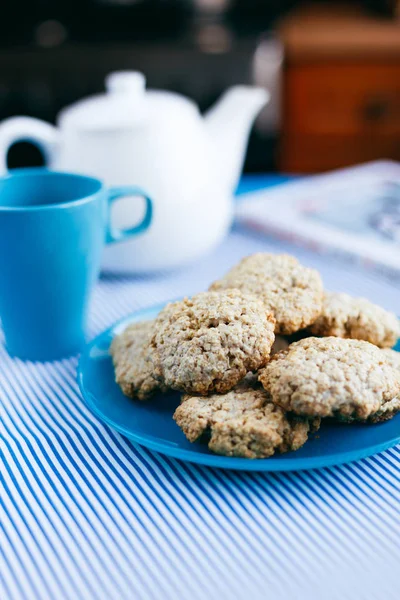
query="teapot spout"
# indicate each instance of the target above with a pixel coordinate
(229, 123)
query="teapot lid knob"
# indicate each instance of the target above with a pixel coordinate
(125, 82)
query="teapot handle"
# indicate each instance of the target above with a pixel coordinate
(27, 129)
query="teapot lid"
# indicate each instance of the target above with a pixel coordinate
(122, 105)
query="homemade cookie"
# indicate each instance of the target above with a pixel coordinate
(389, 409)
(326, 377)
(392, 357)
(244, 422)
(292, 293)
(209, 342)
(133, 369)
(357, 318)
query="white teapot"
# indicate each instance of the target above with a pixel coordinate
(188, 164)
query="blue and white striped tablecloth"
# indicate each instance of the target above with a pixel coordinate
(88, 515)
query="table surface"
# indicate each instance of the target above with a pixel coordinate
(89, 515)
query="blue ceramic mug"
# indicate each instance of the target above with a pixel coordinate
(53, 227)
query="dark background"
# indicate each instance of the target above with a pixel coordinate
(53, 53)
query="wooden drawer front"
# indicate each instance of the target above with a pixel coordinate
(313, 153)
(342, 98)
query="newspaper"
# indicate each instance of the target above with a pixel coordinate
(353, 213)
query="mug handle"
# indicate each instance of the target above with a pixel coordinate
(117, 235)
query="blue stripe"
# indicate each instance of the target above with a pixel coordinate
(5, 590)
(143, 491)
(336, 507)
(194, 485)
(68, 421)
(142, 473)
(273, 541)
(385, 464)
(341, 496)
(169, 466)
(26, 502)
(299, 487)
(72, 478)
(208, 542)
(33, 537)
(85, 479)
(272, 502)
(55, 490)
(281, 553)
(10, 564)
(369, 467)
(61, 481)
(361, 484)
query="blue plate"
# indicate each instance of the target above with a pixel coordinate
(150, 423)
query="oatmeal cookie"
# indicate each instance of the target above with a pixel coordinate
(331, 377)
(392, 357)
(133, 369)
(389, 409)
(244, 422)
(292, 293)
(209, 342)
(347, 317)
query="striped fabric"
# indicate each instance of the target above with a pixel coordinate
(88, 515)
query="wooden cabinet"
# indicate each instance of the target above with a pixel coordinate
(341, 93)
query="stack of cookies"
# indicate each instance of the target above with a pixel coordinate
(263, 356)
